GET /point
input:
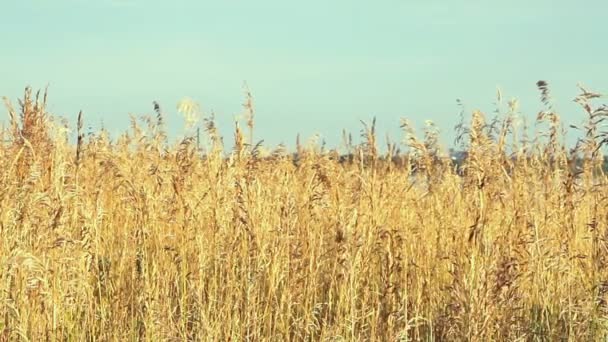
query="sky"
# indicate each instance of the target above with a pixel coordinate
(313, 67)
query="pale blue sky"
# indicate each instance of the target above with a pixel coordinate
(313, 66)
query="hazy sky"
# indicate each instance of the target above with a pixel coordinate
(313, 66)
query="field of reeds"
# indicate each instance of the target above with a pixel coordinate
(137, 238)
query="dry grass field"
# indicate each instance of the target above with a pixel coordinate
(137, 239)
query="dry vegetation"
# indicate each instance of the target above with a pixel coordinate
(135, 239)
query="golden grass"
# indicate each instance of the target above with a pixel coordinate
(134, 240)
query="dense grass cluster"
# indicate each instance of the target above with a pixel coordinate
(137, 239)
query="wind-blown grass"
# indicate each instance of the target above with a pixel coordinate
(140, 240)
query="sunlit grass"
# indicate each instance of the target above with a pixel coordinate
(139, 239)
